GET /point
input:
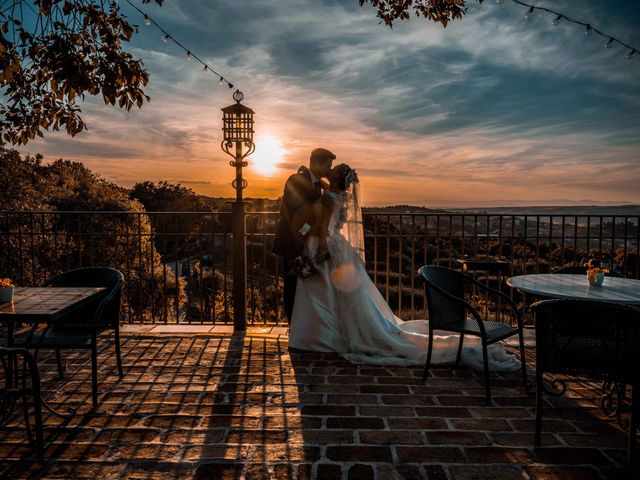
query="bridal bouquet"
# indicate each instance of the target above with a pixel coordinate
(303, 267)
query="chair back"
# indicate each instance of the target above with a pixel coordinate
(104, 311)
(582, 270)
(594, 339)
(440, 285)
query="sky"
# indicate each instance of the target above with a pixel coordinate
(492, 110)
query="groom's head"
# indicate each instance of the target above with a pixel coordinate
(320, 162)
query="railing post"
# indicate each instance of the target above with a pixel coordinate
(239, 266)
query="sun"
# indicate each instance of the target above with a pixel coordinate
(269, 153)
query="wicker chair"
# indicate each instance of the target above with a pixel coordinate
(448, 309)
(582, 270)
(595, 340)
(18, 366)
(81, 328)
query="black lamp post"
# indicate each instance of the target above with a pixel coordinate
(237, 127)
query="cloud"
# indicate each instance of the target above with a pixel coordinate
(492, 108)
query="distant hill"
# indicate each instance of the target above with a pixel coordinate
(631, 210)
(396, 209)
(267, 204)
(252, 204)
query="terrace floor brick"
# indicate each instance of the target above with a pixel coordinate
(203, 403)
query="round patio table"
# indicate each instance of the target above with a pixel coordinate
(559, 285)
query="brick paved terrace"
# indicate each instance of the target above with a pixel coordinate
(205, 404)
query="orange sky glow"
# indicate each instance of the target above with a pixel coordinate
(492, 110)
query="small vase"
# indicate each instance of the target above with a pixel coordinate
(595, 278)
(6, 294)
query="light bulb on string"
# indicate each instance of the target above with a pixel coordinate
(221, 81)
(204, 69)
(164, 38)
(147, 20)
(609, 44)
(588, 31)
(556, 21)
(631, 54)
(188, 55)
(529, 14)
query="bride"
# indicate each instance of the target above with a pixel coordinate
(339, 309)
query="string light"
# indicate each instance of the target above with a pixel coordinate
(188, 55)
(499, 2)
(589, 30)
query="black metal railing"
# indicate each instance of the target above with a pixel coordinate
(178, 265)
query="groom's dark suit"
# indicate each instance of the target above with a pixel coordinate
(296, 209)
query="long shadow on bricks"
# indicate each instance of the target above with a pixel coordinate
(257, 406)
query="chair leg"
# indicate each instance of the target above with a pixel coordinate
(32, 367)
(538, 421)
(485, 360)
(523, 360)
(94, 375)
(428, 362)
(118, 356)
(459, 354)
(633, 423)
(13, 381)
(37, 413)
(60, 366)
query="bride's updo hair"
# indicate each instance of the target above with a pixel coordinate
(338, 175)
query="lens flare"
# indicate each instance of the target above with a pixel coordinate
(346, 277)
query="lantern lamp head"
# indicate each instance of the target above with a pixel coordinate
(237, 121)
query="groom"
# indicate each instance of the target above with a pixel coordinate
(297, 219)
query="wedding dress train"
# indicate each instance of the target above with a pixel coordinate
(339, 309)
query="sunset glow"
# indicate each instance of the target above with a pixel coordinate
(493, 110)
(268, 155)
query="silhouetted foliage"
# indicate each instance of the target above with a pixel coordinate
(167, 197)
(62, 185)
(63, 50)
(67, 236)
(440, 11)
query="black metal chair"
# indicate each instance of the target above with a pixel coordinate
(594, 340)
(80, 329)
(582, 270)
(448, 310)
(18, 366)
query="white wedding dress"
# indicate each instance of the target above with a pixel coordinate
(339, 309)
